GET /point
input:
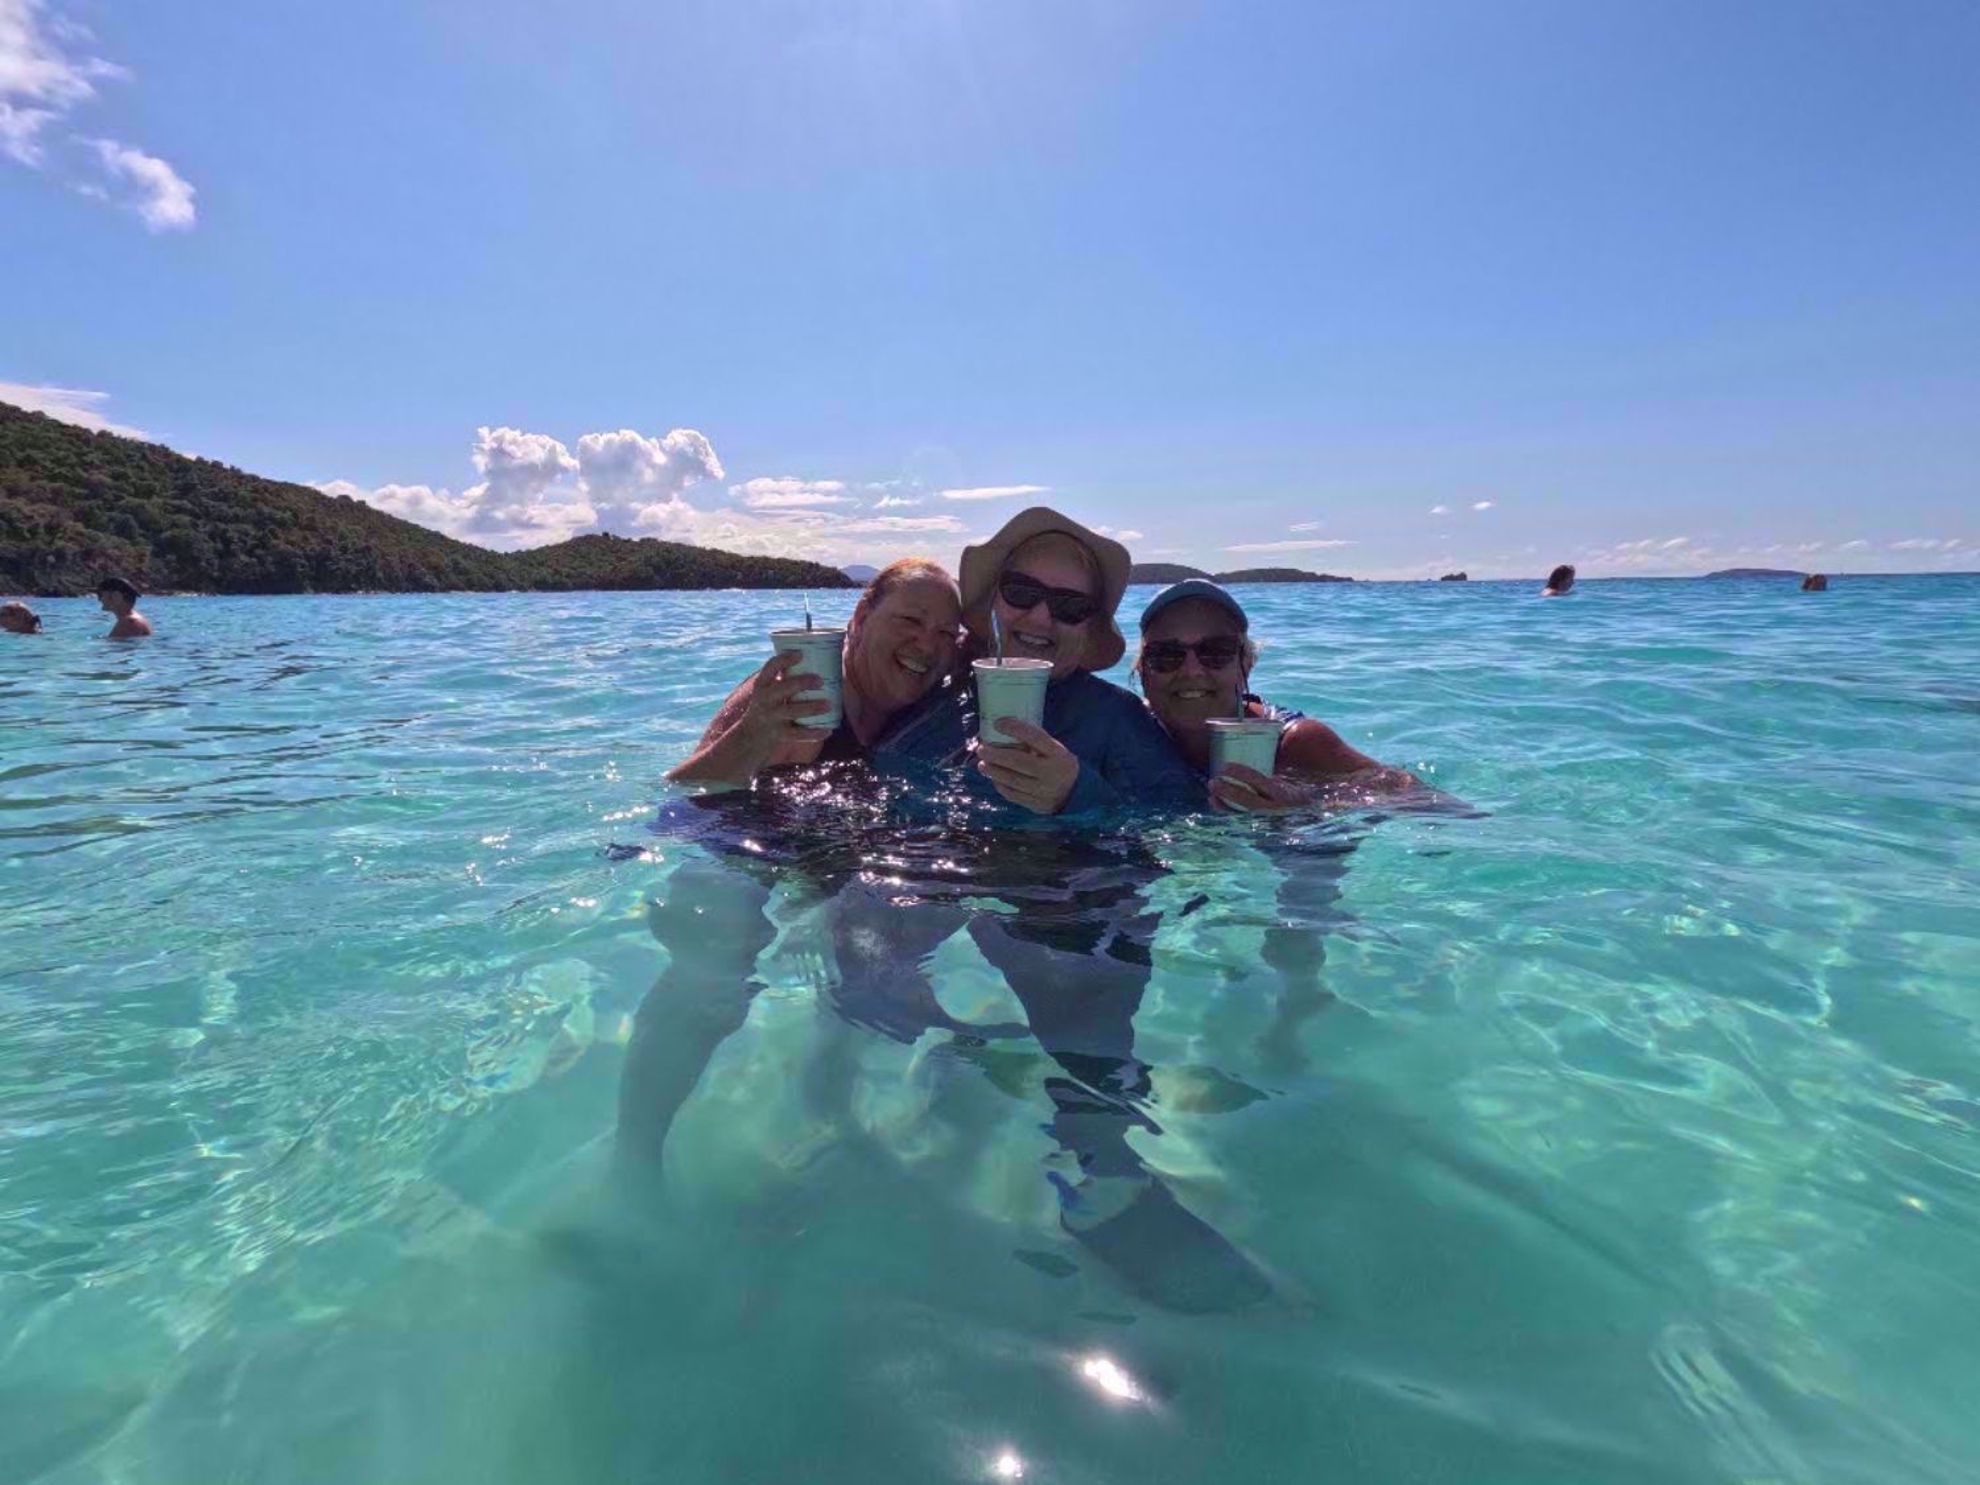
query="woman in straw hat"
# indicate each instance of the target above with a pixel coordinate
(1049, 588)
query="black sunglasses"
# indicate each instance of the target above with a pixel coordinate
(1068, 605)
(1216, 653)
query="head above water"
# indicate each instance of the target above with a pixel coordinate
(18, 618)
(905, 633)
(1052, 586)
(1196, 656)
(119, 595)
(1561, 578)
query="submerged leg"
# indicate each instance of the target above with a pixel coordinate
(1079, 967)
(1308, 898)
(713, 927)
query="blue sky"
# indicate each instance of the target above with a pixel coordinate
(1384, 289)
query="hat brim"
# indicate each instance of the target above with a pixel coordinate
(984, 563)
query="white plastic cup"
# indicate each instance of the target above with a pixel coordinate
(1254, 742)
(1009, 688)
(821, 652)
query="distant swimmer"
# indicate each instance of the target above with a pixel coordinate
(118, 596)
(18, 618)
(1814, 583)
(1559, 582)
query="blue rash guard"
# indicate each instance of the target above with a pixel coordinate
(1125, 758)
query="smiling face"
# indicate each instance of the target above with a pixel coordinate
(1185, 698)
(904, 644)
(1051, 561)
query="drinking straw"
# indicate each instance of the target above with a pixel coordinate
(997, 629)
(807, 613)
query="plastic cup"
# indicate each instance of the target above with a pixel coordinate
(821, 652)
(1254, 742)
(1009, 688)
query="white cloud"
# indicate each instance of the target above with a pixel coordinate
(1922, 544)
(896, 502)
(1303, 544)
(40, 80)
(1304, 526)
(44, 78)
(789, 493)
(1481, 504)
(151, 188)
(1676, 541)
(995, 492)
(68, 404)
(631, 481)
(1119, 533)
(1853, 546)
(1440, 510)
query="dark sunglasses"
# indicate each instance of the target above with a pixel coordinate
(1067, 605)
(1217, 653)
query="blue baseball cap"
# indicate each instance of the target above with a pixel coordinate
(1190, 588)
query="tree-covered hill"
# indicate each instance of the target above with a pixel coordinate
(76, 504)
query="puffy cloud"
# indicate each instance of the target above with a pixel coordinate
(995, 492)
(68, 404)
(896, 502)
(1676, 541)
(1853, 546)
(519, 487)
(1440, 510)
(625, 474)
(1301, 544)
(1304, 526)
(1482, 504)
(1119, 533)
(148, 186)
(44, 78)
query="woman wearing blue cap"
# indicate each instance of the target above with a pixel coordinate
(1195, 668)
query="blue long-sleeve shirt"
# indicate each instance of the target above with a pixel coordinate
(1125, 758)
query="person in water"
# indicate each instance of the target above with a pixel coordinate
(901, 642)
(1814, 583)
(119, 597)
(1051, 588)
(1059, 911)
(18, 618)
(1559, 582)
(1195, 666)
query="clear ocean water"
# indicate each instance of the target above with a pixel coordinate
(1629, 1132)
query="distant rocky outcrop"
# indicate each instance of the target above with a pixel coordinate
(1455, 577)
(1753, 572)
(860, 572)
(1279, 575)
(1163, 573)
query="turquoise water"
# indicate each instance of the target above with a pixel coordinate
(1627, 1133)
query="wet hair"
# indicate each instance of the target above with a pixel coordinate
(1561, 574)
(120, 586)
(899, 575)
(22, 611)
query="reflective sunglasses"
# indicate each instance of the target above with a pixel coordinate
(1067, 605)
(1219, 652)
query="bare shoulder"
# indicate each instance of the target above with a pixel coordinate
(1310, 747)
(131, 626)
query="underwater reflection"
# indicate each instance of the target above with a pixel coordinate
(1064, 916)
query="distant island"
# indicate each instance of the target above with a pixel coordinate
(1165, 573)
(1753, 572)
(861, 572)
(76, 504)
(1455, 577)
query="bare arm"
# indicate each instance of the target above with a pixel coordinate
(757, 727)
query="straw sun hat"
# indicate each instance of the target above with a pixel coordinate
(982, 565)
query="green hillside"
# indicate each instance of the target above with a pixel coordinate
(76, 504)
